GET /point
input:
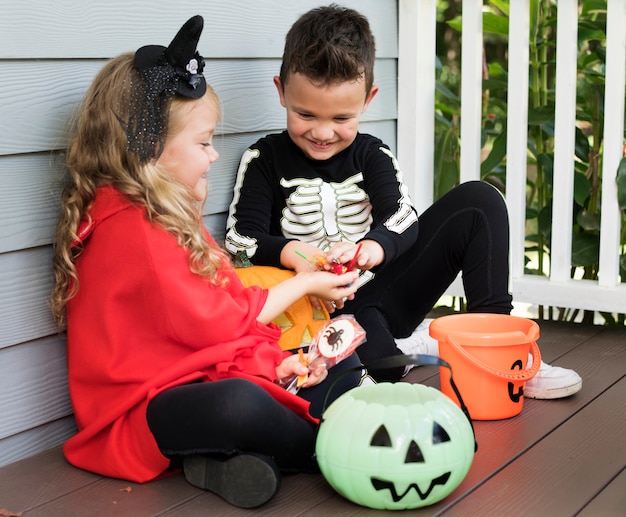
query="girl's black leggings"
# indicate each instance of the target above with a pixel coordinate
(467, 231)
(232, 416)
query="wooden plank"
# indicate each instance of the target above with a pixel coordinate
(530, 448)
(249, 99)
(103, 28)
(297, 492)
(611, 501)
(572, 460)
(501, 442)
(34, 385)
(57, 489)
(106, 497)
(38, 479)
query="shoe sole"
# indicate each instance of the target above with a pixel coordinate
(245, 480)
(556, 393)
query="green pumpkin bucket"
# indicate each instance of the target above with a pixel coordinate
(395, 446)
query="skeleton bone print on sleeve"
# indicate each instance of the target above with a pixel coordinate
(323, 213)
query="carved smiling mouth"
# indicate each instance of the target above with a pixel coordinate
(380, 484)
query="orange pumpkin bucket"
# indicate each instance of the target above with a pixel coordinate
(488, 354)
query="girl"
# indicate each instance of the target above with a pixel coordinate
(171, 361)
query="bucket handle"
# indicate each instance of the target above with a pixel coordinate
(524, 375)
(404, 360)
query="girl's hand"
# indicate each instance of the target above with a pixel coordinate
(330, 286)
(332, 305)
(291, 366)
(292, 257)
(315, 284)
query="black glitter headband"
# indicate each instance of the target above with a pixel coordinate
(164, 72)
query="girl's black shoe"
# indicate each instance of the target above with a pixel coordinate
(245, 480)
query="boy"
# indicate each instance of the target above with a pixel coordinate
(321, 187)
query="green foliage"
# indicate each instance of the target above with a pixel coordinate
(540, 143)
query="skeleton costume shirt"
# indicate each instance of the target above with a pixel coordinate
(281, 195)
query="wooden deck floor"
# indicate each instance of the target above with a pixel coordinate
(557, 458)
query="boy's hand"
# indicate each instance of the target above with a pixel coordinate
(292, 257)
(293, 254)
(369, 256)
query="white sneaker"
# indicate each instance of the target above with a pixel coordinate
(419, 342)
(367, 380)
(552, 382)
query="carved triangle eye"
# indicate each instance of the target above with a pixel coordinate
(381, 438)
(414, 454)
(439, 434)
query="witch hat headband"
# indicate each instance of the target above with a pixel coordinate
(164, 72)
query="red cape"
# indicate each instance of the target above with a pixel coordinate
(142, 322)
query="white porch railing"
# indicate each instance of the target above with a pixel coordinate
(416, 95)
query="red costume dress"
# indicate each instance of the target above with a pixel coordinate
(141, 323)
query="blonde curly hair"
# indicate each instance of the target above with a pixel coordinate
(97, 155)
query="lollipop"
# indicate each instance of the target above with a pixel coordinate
(332, 344)
(319, 261)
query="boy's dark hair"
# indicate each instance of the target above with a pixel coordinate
(330, 45)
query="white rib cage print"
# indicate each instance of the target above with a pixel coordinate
(322, 213)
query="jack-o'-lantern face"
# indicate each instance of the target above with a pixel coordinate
(414, 455)
(394, 446)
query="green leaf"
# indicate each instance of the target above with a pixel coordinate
(495, 157)
(547, 162)
(494, 24)
(446, 162)
(581, 146)
(585, 249)
(539, 116)
(545, 222)
(588, 221)
(590, 33)
(456, 23)
(445, 91)
(496, 82)
(531, 213)
(502, 5)
(582, 188)
(591, 6)
(621, 184)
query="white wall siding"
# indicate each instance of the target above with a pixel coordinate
(49, 54)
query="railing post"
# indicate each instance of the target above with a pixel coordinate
(608, 272)
(564, 140)
(517, 131)
(471, 89)
(416, 97)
